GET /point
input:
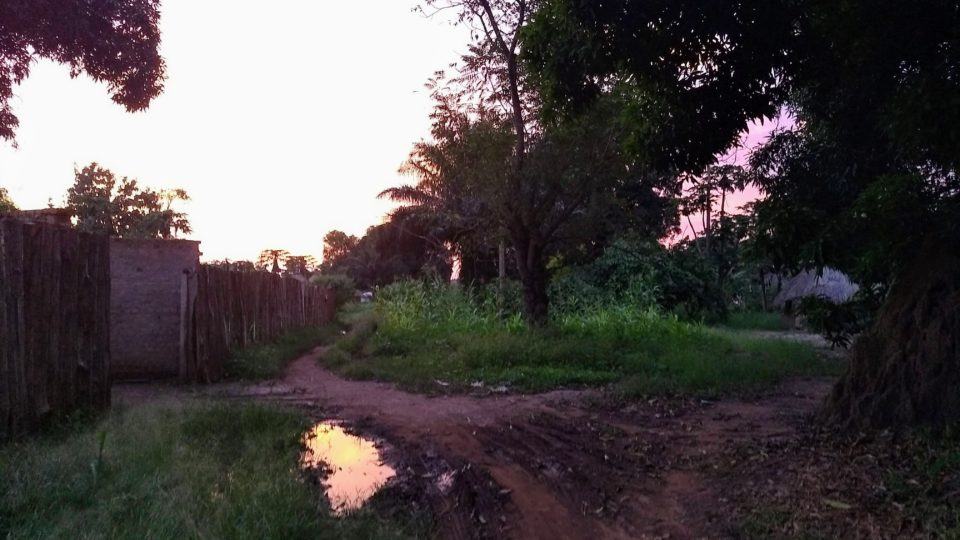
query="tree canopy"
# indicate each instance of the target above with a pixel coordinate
(302, 265)
(6, 203)
(269, 259)
(692, 73)
(872, 88)
(865, 179)
(105, 204)
(337, 246)
(115, 41)
(549, 189)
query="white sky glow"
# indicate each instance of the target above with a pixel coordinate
(281, 119)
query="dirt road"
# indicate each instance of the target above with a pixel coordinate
(565, 464)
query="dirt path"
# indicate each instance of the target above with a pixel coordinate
(305, 381)
(556, 465)
(448, 426)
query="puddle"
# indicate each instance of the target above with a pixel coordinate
(355, 468)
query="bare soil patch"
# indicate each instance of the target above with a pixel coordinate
(577, 464)
(566, 464)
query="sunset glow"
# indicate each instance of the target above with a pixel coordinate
(281, 122)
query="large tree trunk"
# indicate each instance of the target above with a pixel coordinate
(905, 371)
(533, 278)
(535, 300)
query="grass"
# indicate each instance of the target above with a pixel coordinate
(756, 320)
(432, 339)
(267, 361)
(195, 470)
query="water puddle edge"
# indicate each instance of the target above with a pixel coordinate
(354, 465)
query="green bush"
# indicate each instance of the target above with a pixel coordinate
(344, 288)
(837, 323)
(414, 304)
(642, 275)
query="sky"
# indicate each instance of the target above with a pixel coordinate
(282, 119)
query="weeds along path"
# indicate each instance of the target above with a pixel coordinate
(565, 464)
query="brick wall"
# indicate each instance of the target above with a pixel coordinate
(153, 285)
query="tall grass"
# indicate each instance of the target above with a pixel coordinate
(431, 337)
(190, 471)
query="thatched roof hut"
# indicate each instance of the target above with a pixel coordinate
(831, 284)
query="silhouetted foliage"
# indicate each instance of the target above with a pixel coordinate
(103, 203)
(549, 189)
(337, 245)
(491, 71)
(302, 265)
(866, 180)
(6, 203)
(343, 287)
(115, 42)
(691, 73)
(269, 260)
(643, 273)
(395, 250)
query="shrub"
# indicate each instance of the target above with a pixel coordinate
(837, 323)
(344, 288)
(642, 275)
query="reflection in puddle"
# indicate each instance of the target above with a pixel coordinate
(355, 468)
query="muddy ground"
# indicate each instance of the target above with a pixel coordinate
(575, 464)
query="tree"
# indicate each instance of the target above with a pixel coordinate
(120, 207)
(269, 259)
(337, 245)
(115, 42)
(866, 180)
(546, 177)
(718, 237)
(469, 147)
(7, 206)
(302, 265)
(492, 68)
(395, 250)
(691, 73)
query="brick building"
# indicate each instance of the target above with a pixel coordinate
(153, 287)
